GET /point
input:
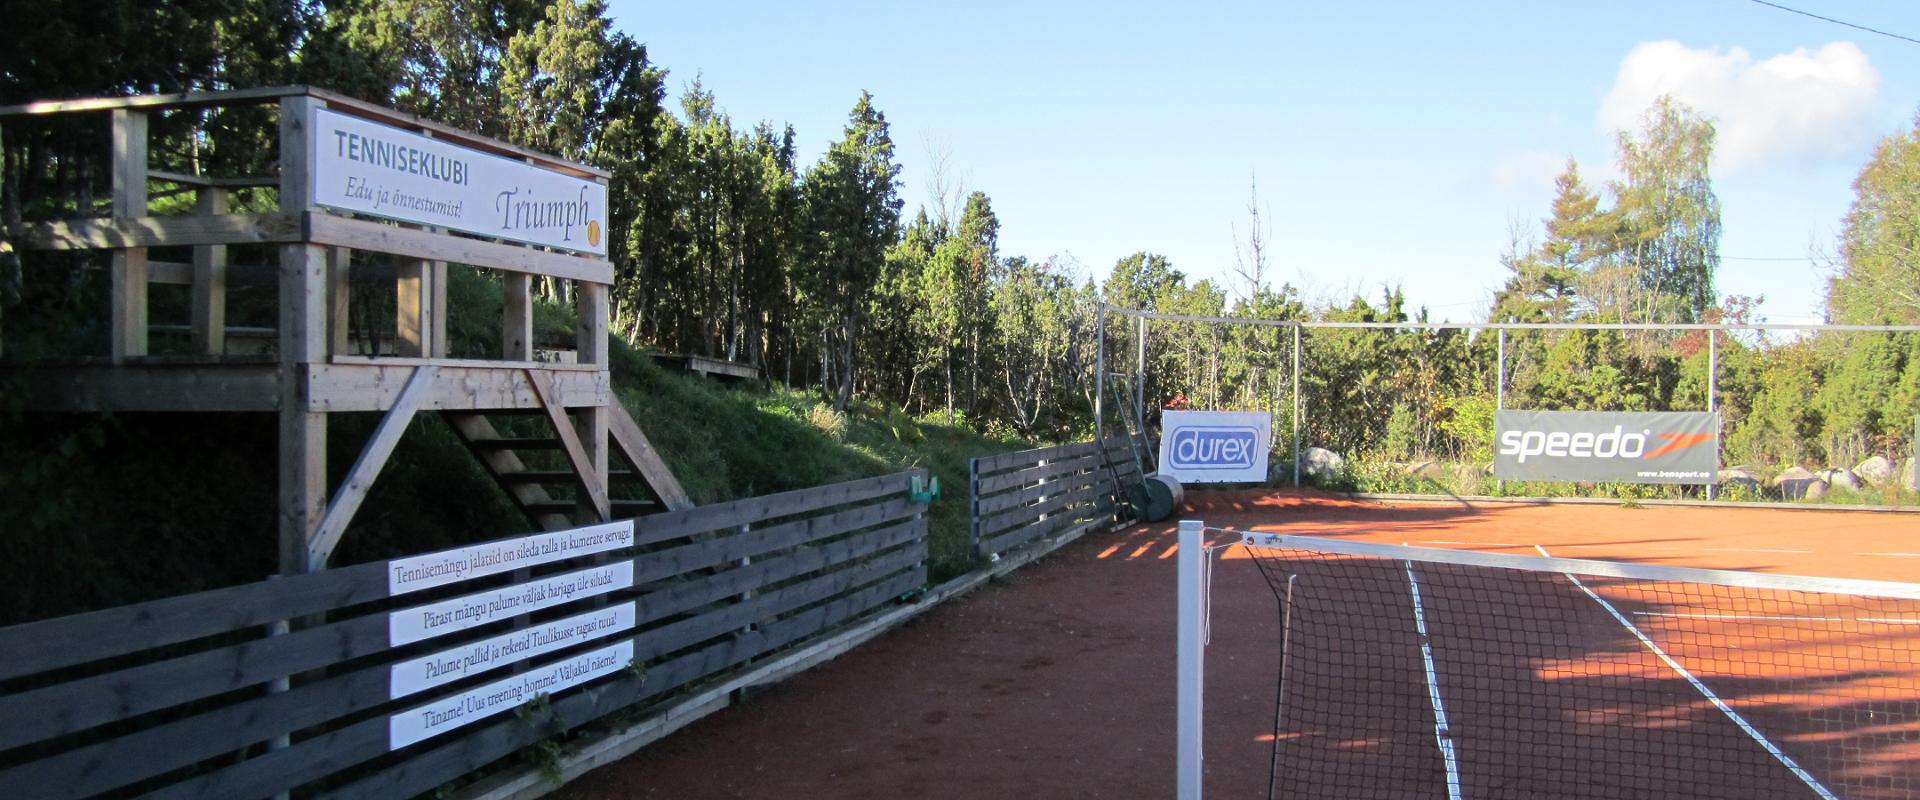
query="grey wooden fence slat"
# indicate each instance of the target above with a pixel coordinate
(311, 759)
(433, 768)
(78, 705)
(65, 641)
(1022, 535)
(674, 524)
(145, 754)
(229, 728)
(1017, 498)
(1073, 486)
(680, 597)
(996, 463)
(1078, 491)
(999, 483)
(729, 547)
(1019, 534)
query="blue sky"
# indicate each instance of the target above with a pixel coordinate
(1393, 142)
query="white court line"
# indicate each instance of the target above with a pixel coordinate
(1775, 618)
(1778, 755)
(1751, 550)
(1476, 544)
(1891, 555)
(1441, 731)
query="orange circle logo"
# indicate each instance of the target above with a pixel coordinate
(593, 233)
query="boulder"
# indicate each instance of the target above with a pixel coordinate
(1793, 483)
(1319, 462)
(1816, 489)
(1838, 478)
(1740, 477)
(1876, 471)
(1431, 470)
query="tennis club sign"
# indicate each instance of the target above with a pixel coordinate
(1627, 447)
(369, 168)
(1215, 446)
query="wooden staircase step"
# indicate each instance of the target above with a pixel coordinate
(621, 508)
(529, 443)
(556, 475)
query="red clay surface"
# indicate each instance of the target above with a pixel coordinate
(1058, 682)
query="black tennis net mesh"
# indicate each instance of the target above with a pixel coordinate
(1416, 672)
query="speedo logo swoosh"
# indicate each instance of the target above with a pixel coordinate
(1618, 443)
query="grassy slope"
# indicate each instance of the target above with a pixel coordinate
(725, 443)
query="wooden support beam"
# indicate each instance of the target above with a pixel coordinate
(209, 318)
(106, 234)
(367, 467)
(593, 477)
(646, 460)
(339, 293)
(129, 265)
(382, 237)
(412, 313)
(438, 301)
(462, 386)
(303, 341)
(517, 327)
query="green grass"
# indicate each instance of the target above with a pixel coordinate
(724, 443)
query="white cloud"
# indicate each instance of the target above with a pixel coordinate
(1529, 172)
(1807, 105)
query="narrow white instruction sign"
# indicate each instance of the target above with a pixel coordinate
(431, 570)
(478, 657)
(455, 614)
(424, 722)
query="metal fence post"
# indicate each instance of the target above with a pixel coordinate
(1713, 386)
(1140, 381)
(1296, 405)
(1099, 372)
(1500, 395)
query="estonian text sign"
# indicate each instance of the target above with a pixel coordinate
(455, 614)
(480, 702)
(478, 657)
(369, 168)
(428, 571)
(1215, 446)
(1630, 447)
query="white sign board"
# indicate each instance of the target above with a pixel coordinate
(415, 573)
(454, 614)
(478, 657)
(1215, 446)
(369, 168)
(480, 702)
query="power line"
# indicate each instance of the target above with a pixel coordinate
(1838, 22)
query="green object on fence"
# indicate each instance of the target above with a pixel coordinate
(924, 493)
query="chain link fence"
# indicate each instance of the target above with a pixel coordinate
(1827, 413)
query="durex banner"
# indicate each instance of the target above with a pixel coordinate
(1215, 446)
(1618, 446)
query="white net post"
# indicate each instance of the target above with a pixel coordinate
(1191, 633)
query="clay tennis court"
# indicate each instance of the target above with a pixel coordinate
(1059, 682)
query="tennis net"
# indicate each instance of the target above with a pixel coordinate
(1421, 672)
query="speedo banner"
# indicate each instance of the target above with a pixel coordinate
(1618, 446)
(1214, 446)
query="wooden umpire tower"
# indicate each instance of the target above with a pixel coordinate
(326, 352)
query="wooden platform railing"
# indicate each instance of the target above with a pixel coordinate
(401, 675)
(1022, 496)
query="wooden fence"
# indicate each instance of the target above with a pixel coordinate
(391, 678)
(1022, 496)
